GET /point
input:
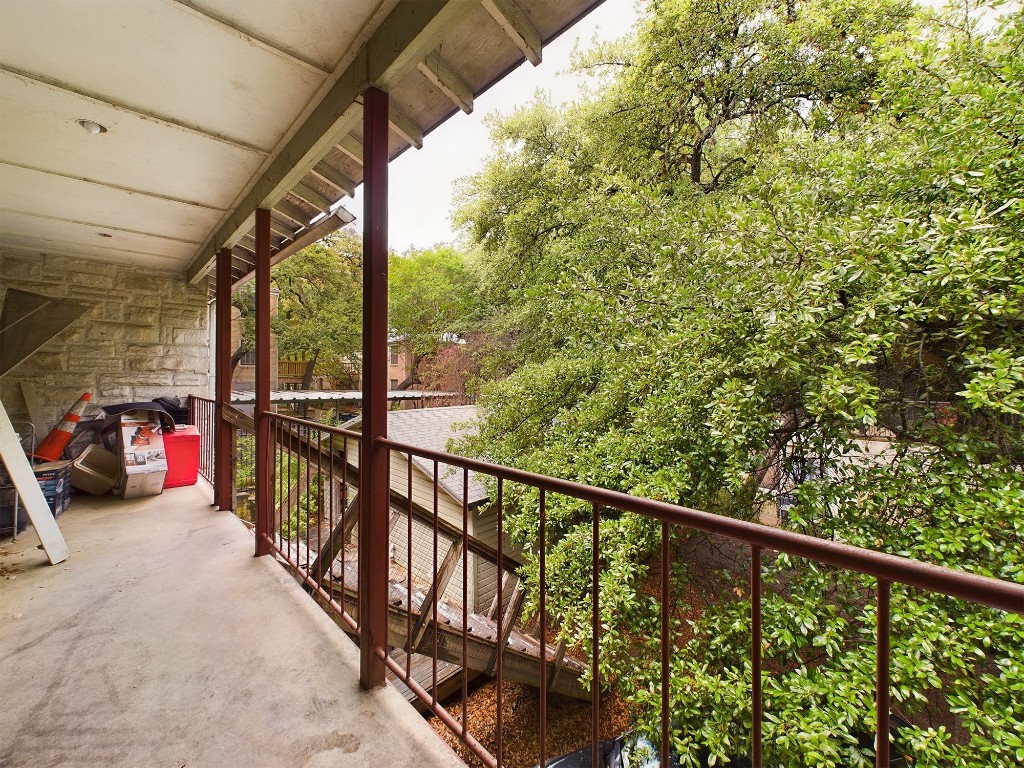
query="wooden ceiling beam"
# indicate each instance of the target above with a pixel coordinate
(517, 26)
(335, 178)
(404, 126)
(351, 147)
(290, 211)
(440, 73)
(316, 232)
(403, 39)
(314, 198)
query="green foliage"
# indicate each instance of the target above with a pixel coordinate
(711, 83)
(289, 469)
(841, 323)
(430, 293)
(244, 300)
(320, 299)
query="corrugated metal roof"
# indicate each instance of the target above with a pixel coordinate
(248, 397)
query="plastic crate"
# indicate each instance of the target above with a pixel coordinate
(182, 447)
(95, 471)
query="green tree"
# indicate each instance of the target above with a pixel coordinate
(712, 82)
(430, 294)
(244, 300)
(320, 302)
(863, 278)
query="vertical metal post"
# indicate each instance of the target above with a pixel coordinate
(882, 676)
(373, 468)
(222, 478)
(756, 665)
(264, 454)
(595, 637)
(666, 643)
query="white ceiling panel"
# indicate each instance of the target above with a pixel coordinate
(92, 252)
(160, 58)
(214, 108)
(27, 191)
(318, 32)
(88, 235)
(41, 131)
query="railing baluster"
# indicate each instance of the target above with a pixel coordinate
(543, 631)
(306, 477)
(331, 480)
(882, 676)
(275, 453)
(433, 691)
(595, 640)
(465, 596)
(756, 699)
(286, 457)
(665, 644)
(408, 571)
(499, 739)
(319, 488)
(344, 516)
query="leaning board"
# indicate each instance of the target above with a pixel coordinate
(28, 489)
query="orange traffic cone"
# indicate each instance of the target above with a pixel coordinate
(50, 448)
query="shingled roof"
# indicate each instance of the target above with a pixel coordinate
(432, 428)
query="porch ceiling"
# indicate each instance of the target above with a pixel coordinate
(216, 107)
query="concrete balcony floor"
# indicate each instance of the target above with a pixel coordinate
(162, 641)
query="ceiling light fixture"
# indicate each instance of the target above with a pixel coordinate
(92, 127)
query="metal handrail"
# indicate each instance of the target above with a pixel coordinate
(885, 568)
(985, 590)
(319, 468)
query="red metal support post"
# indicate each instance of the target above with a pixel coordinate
(264, 452)
(222, 430)
(373, 468)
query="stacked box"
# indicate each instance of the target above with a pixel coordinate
(140, 448)
(54, 480)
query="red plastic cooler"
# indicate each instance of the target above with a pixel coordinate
(182, 446)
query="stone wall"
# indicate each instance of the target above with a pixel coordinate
(147, 335)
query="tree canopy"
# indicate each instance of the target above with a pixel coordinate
(319, 311)
(431, 293)
(743, 339)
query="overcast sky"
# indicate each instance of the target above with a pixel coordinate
(421, 181)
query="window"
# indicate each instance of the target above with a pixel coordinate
(392, 383)
(394, 355)
(249, 358)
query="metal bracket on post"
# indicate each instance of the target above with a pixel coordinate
(373, 469)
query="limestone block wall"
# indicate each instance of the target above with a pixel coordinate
(147, 335)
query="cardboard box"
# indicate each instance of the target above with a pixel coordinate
(140, 446)
(54, 480)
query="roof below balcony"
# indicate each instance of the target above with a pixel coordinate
(212, 108)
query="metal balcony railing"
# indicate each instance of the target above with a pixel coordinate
(202, 414)
(313, 476)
